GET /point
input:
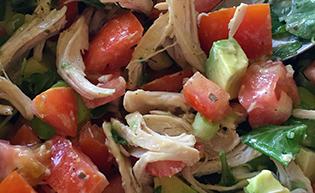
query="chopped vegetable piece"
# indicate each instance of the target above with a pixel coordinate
(173, 184)
(15, 183)
(58, 108)
(72, 171)
(226, 65)
(265, 182)
(281, 143)
(257, 23)
(203, 128)
(112, 47)
(169, 83)
(72, 10)
(307, 98)
(92, 143)
(206, 97)
(165, 168)
(267, 93)
(24, 136)
(115, 185)
(206, 5)
(305, 159)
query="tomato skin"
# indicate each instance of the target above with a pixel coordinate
(25, 136)
(168, 83)
(165, 168)
(117, 83)
(115, 185)
(15, 183)
(58, 108)
(206, 97)
(267, 93)
(206, 5)
(112, 47)
(254, 34)
(92, 143)
(72, 171)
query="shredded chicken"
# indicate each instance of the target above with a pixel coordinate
(144, 6)
(239, 155)
(159, 147)
(6, 110)
(183, 16)
(167, 124)
(129, 182)
(147, 48)
(292, 175)
(70, 64)
(16, 97)
(145, 101)
(30, 34)
(304, 114)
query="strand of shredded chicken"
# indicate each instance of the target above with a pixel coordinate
(183, 17)
(30, 34)
(70, 65)
(144, 6)
(304, 114)
(145, 101)
(158, 147)
(16, 97)
(148, 47)
(129, 182)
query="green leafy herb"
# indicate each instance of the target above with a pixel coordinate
(3, 7)
(36, 83)
(300, 21)
(281, 143)
(23, 6)
(227, 178)
(158, 189)
(118, 139)
(43, 130)
(285, 50)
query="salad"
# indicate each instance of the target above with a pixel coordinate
(157, 96)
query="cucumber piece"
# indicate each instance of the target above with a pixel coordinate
(203, 128)
(306, 159)
(172, 185)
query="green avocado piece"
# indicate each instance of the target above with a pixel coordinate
(172, 185)
(226, 65)
(203, 128)
(306, 159)
(264, 182)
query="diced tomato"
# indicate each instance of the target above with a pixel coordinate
(72, 171)
(267, 93)
(169, 83)
(119, 84)
(92, 143)
(254, 34)
(112, 47)
(58, 107)
(309, 72)
(206, 97)
(206, 5)
(15, 183)
(165, 168)
(25, 136)
(3, 31)
(115, 185)
(72, 10)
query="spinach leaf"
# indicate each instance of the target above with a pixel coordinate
(158, 189)
(281, 143)
(307, 98)
(281, 8)
(301, 19)
(23, 6)
(227, 178)
(285, 50)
